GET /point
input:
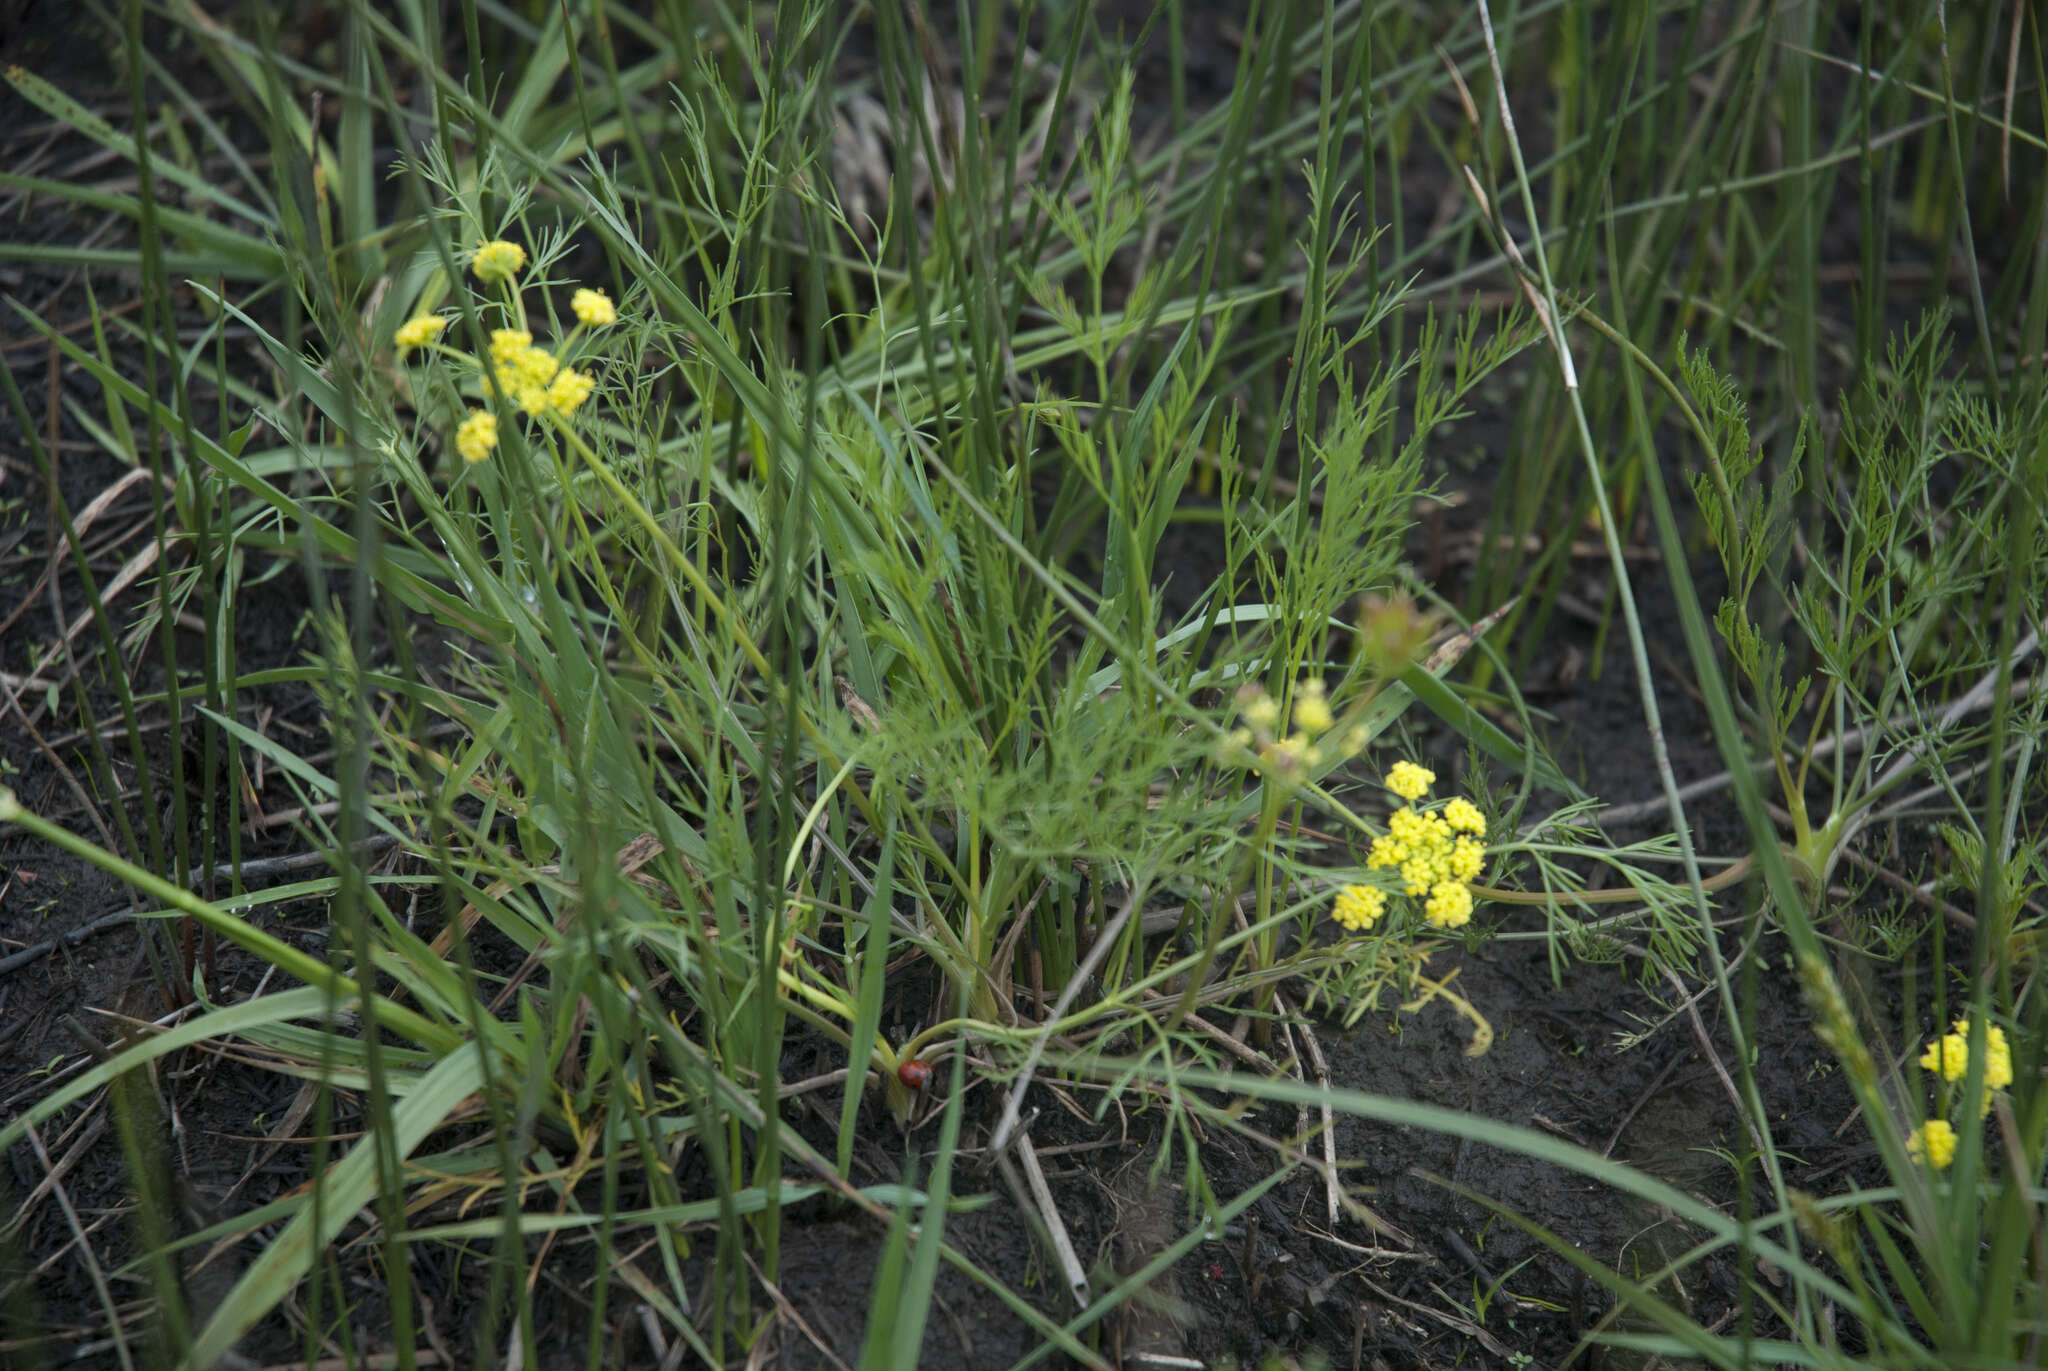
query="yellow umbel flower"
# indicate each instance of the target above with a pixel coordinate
(569, 389)
(498, 261)
(1359, 907)
(1997, 1058)
(1409, 781)
(1407, 833)
(1436, 854)
(1933, 1142)
(418, 331)
(535, 366)
(1424, 868)
(1449, 906)
(1462, 814)
(594, 307)
(476, 437)
(1950, 1055)
(522, 370)
(508, 343)
(1311, 710)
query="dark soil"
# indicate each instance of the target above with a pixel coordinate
(1445, 1282)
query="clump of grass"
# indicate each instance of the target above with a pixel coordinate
(782, 570)
(765, 666)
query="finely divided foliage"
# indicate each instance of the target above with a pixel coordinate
(833, 535)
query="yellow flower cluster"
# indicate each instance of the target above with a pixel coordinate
(531, 376)
(419, 331)
(477, 435)
(1949, 1056)
(1437, 854)
(1359, 907)
(569, 389)
(498, 261)
(1449, 905)
(1286, 756)
(1409, 781)
(593, 307)
(1933, 1142)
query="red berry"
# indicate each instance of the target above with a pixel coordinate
(914, 1073)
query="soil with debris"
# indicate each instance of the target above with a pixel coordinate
(1442, 1280)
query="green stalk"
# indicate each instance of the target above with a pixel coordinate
(1782, 886)
(282, 955)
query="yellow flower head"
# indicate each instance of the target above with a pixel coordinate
(476, 437)
(594, 307)
(1409, 827)
(1432, 856)
(418, 331)
(1359, 907)
(1311, 710)
(523, 371)
(1467, 859)
(1997, 1058)
(1421, 871)
(1450, 906)
(1949, 1055)
(498, 261)
(1462, 814)
(507, 343)
(569, 389)
(1407, 832)
(536, 366)
(1933, 1142)
(1409, 781)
